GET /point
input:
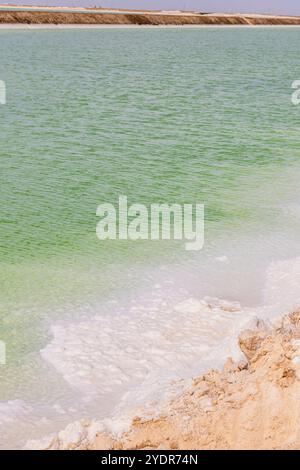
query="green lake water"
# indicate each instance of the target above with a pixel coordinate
(161, 116)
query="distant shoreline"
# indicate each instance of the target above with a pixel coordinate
(27, 15)
(50, 26)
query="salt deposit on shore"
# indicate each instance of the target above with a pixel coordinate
(150, 378)
(250, 404)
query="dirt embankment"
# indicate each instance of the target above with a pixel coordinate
(253, 404)
(41, 17)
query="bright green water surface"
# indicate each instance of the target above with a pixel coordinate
(160, 115)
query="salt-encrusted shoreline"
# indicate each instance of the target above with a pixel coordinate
(252, 404)
(24, 26)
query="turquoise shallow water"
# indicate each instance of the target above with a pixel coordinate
(159, 115)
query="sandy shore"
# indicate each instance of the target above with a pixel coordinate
(253, 404)
(73, 16)
(49, 26)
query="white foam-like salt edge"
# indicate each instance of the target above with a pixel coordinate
(13, 410)
(137, 355)
(103, 353)
(127, 363)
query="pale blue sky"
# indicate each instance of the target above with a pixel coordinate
(251, 6)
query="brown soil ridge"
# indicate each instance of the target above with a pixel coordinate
(253, 404)
(155, 19)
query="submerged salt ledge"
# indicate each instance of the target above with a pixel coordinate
(121, 364)
(102, 355)
(137, 355)
(160, 342)
(13, 410)
(252, 404)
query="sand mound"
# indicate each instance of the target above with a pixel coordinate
(139, 18)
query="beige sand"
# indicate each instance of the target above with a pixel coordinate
(65, 15)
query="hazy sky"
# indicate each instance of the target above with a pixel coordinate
(250, 6)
